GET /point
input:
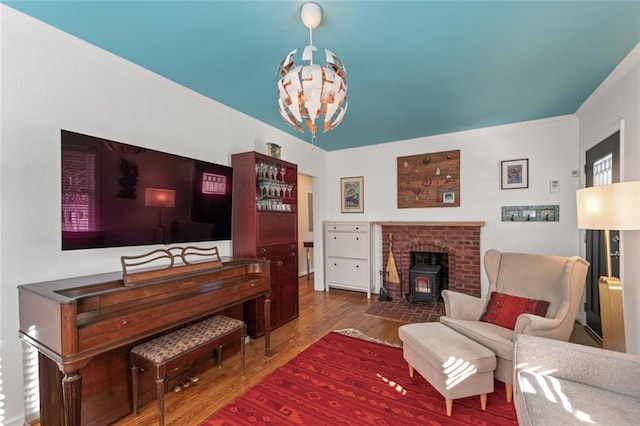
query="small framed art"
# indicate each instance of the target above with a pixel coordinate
(515, 174)
(352, 194)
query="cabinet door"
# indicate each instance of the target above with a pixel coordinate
(348, 244)
(284, 289)
(288, 271)
(276, 228)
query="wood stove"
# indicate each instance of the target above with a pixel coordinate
(424, 283)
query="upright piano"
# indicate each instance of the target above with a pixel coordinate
(84, 327)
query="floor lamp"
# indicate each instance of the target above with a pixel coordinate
(610, 207)
(155, 197)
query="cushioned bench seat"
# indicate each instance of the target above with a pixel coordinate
(172, 355)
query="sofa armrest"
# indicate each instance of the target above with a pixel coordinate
(613, 371)
(463, 306)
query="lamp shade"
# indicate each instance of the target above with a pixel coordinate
(154, 197)
(614, 207)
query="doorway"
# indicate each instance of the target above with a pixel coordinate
(305, 226)
(602, 168)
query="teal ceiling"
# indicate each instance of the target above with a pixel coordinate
(414, 68)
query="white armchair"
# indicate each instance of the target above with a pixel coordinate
(555, 279)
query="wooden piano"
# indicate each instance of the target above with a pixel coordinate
(84, 327)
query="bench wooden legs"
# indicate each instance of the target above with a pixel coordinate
(134, 387)
(242, 352)
(508, 387)
(160, 391)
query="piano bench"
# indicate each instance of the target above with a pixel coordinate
(173, 354)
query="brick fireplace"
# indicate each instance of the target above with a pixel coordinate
(459, 240)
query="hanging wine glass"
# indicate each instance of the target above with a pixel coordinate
(283, 171)
(262, 183)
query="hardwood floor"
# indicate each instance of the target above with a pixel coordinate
(320, 313)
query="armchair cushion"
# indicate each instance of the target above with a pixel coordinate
(504, 309)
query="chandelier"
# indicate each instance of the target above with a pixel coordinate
(309, 92)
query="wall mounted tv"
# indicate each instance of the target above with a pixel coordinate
(116, 194)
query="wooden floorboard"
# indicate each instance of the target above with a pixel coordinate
(320, 313)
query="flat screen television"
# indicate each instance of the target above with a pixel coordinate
(115, 194)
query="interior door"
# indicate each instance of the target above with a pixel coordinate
(602, 167)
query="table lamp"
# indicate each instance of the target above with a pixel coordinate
(609, 207)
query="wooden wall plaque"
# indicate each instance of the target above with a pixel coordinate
(429, 180)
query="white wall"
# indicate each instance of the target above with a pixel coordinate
(550, 145)
(615, 105)
(52, 81)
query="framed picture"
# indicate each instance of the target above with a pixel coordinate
(515, 174)
(352, 194)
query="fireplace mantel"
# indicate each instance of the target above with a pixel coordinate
(420, 223)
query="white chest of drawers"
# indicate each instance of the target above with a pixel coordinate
(347, 256)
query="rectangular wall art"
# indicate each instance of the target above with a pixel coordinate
(352, 194)
(429, 180)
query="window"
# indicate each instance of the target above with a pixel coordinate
(78, 190)
(602, 170)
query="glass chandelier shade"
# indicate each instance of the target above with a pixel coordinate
(310, 92)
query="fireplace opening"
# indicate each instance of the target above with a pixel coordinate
(428, 276)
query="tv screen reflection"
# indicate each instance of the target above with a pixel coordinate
(116, 194)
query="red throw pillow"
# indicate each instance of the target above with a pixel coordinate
(504, 309)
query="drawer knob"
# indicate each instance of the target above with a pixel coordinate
(335, 264)
(357, 238)
(335, 238)
(263, 250)
(125, 323)
(357, 266)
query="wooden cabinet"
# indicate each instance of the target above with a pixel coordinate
(347, 254)
(265, 226)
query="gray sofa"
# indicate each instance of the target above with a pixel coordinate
(561, 383)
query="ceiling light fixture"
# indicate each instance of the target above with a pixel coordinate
(308, 92)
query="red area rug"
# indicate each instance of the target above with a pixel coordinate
(343, 380)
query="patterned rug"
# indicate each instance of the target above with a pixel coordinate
(343, 379)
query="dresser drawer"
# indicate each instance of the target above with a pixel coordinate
(345, 244)
(353, 272)
(263, 251)
(351, 227)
